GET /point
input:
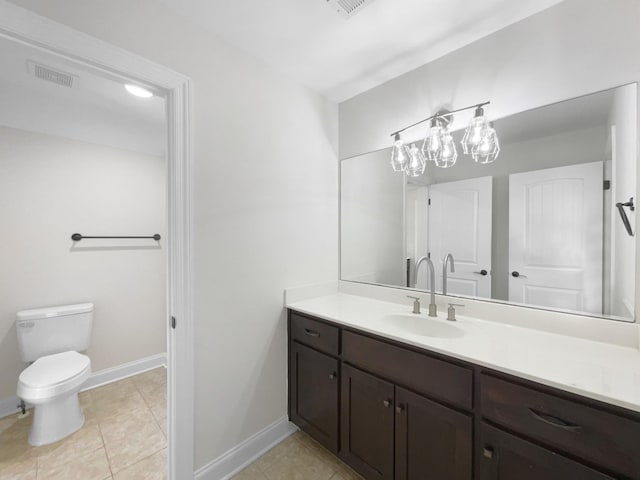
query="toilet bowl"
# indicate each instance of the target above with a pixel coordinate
(51, 384)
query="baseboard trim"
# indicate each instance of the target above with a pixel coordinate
(129, 369)
(9, 405)
(230, 463)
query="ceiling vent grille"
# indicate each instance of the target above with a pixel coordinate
(52, 75)
(348, 8)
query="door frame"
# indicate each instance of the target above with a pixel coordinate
(23, 26)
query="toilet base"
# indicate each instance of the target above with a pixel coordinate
(56, 419)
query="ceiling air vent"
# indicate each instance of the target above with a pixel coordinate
(348, 8)
(52, 75)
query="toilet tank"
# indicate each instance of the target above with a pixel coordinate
(45, 331)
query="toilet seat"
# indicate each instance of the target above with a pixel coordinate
(53, 375)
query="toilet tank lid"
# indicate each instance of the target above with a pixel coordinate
(50, 312)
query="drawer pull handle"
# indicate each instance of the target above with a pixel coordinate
(400, 409)
(387, 403)
(332, 376)
(311, 333)
(487, 452)
(554, 421)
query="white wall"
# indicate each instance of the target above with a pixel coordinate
(372, 209)
(51, 187)
(266, 209)
(573, 48)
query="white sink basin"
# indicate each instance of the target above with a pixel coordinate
(422, 325)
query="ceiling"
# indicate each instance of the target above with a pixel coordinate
(96, 109)
(340, 58)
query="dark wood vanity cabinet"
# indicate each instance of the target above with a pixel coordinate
(367, 424)
(390, 433)
(432, 441)
(314, 382)
(395, 412)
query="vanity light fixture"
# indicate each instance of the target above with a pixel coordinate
(475, 131)
(138, 91)
(417, 162)
(489, 147)
(480, 141)
(399, 154)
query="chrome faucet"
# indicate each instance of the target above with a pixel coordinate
(433, 308)
(448, 258)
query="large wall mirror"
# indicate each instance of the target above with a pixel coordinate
(550, 224)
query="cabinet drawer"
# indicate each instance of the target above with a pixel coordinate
(423, 374)
(314, 333)
(504, 456)
(599, 437)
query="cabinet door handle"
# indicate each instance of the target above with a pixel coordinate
(554, 421)
(516, 274)
(400, 409)
(311, 333)
(387, 403)
(487, 452)
(482, 272)
(332, 376)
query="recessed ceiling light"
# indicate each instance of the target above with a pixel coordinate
(138, 91)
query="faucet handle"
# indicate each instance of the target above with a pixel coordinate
(416, 303)
(451, 311)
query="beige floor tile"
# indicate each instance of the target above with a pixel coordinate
(157, 376)
(299, 464)
(134, 434)
(153, 467)
(107, 407)
(114, 390)
(132, 440)
(92, 466)
(289, 445)
(24, 469)
(14, 444)
(252, 472)
(116, 428)
(163, 427)
(84, 441)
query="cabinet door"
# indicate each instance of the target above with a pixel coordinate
(314, 388)
(502, 456)
(367, 424)
(432, 441)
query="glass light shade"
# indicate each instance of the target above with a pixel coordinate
(432, 146)
(449, 152)
(474, 133)
(399, 155)
(417, 162)
(488, 149)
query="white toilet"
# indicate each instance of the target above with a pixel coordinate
(51, 338)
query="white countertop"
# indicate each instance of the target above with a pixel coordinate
(601, 371)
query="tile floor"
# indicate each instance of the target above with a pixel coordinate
(298, 458)
(123, 438)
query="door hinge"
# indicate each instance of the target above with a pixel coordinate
(173, 322)
(607, 185)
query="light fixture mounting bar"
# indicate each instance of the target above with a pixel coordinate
(477, 105)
